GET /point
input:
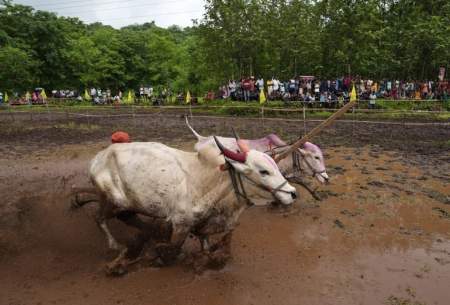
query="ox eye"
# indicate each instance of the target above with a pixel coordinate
(317, 158)
(264, 172)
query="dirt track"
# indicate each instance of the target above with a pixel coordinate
(381, 235)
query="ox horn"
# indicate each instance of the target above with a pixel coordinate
(315, 131)
(239, 157)
(243, 147)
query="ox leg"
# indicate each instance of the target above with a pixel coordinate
(157, 230)
(220, 252)
(214, 255)
(168, 252)
(104, 214)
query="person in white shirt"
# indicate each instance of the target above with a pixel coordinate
(260, 83)
(276, 84)
(372, 99)
(232, 88)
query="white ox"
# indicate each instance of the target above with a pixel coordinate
(190, 190)
(311, 161)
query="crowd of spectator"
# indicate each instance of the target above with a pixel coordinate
(307, 89)
(330, 92)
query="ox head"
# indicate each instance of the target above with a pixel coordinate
(261, 169)
(312, 162)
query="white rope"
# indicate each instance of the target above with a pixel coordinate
(247, 118)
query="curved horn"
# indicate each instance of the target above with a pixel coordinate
(235, 134)
(243, 147)
(239, 157)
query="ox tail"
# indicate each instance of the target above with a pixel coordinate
(83, 196)
(196, 134)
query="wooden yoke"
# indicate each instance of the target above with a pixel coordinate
(315, 131)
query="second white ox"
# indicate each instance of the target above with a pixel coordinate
(190, 190)
(310, 159)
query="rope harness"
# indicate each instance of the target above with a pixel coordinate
(297, 170)
(239, 189)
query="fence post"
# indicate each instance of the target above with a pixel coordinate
(134, 116)
(48, 111)
(87, 116)
(262, 115)
(11, 114)
(304, 119)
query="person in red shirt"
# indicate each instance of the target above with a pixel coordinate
(247, 85)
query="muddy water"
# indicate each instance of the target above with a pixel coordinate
(381, 235)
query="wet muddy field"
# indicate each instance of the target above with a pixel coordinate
(379, 235)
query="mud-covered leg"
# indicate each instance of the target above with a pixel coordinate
(157, 230)
(103, 215)
(220, 252)
(168, 252)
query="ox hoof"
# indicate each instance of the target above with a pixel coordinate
(217, 260)
(214, 260)
(115, 270)
(167, 253)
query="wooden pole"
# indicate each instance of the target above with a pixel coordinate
(315, 131)
(304, 119)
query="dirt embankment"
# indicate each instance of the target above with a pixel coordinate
(379, 236)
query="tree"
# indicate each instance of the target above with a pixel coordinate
(17, 69)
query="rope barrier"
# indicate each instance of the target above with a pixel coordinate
(265, 118)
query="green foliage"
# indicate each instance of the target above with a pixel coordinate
(17, 68)
(402, 39)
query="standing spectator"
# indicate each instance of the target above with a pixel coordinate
(28, 98)
(322, 99)
(260, 84)
(276, 85)
(316, 89)
(308, 86)
(1, 98)
(93, 93)
(246, 86)
(252, 86)
(281, 86)
(424, 90)
(232, 89)
(372, 99)
(292, 87)
(269, 87)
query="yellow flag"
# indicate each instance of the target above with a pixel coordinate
(262, 97)
(86, 95)
(353, 94)
(129, 98)
(188, 97)
(44, 96)
(6, 97)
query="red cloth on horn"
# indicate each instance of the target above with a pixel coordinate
(120, 137)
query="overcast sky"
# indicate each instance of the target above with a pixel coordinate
(119, 13)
